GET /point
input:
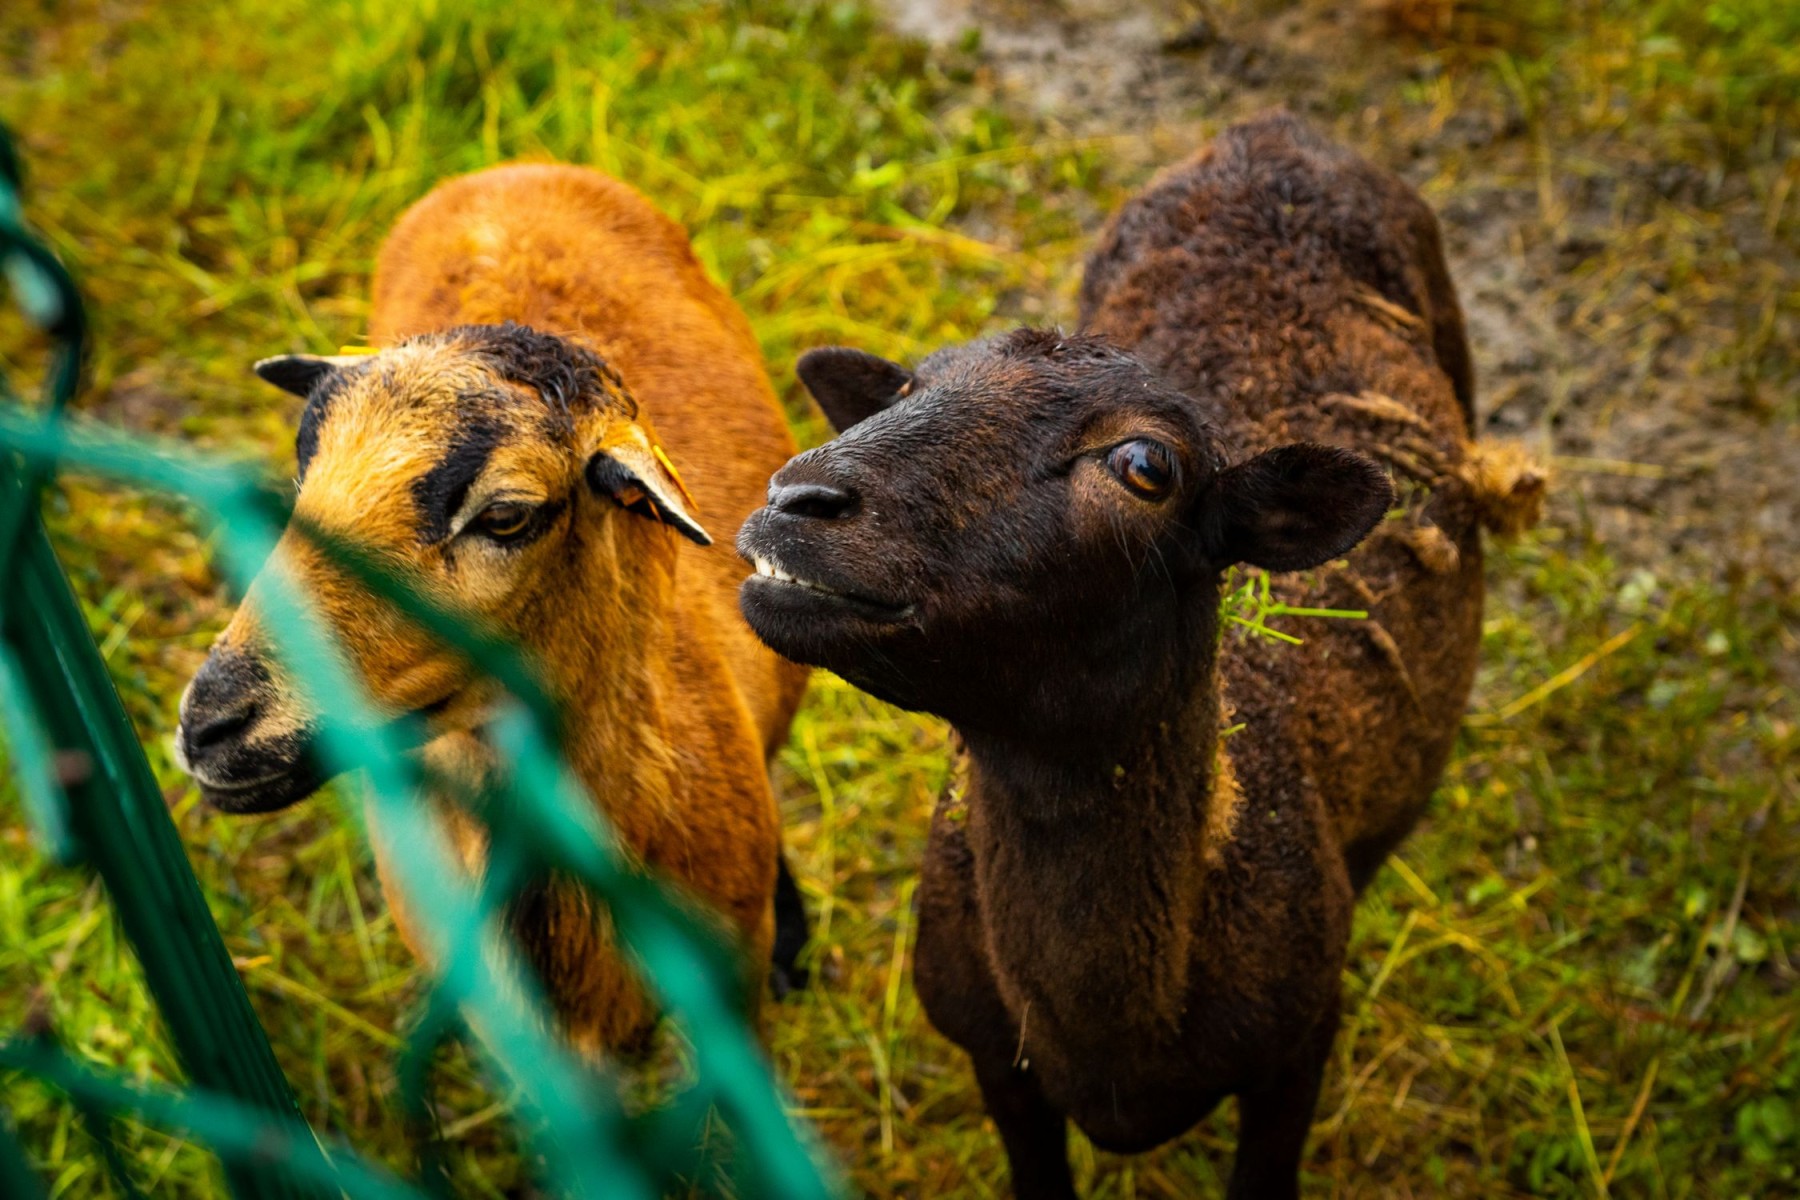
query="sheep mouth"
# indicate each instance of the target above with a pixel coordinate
(293, 768)
(266, 793)
(776, 582)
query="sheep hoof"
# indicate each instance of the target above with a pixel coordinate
(792, 929)
(787, 978)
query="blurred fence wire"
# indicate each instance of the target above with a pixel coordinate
(91, 798)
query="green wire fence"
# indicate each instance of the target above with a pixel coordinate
(91, 798)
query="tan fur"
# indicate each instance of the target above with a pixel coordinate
(1228, 797)
(574, 252)
(1509, 486)
(672, 706)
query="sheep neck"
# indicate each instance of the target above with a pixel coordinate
(605, 659)
(1091, 868)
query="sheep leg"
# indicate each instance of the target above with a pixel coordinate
(792, 929)
(1034, 1133)
(1273, 1122)
(955, 984)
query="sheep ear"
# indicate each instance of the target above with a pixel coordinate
(851, 385)
(640, 479)
(301, 373)
(1294, 507)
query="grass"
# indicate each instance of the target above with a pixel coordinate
(1578, 978)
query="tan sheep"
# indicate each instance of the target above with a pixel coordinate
(560, 409)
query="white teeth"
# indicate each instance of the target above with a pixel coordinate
(769, 570)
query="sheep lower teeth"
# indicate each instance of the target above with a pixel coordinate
(770, 570)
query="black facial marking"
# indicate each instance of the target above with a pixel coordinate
(312, 417)
(565, 374)
(441, 490)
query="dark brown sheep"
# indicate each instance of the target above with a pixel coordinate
(1125, 915)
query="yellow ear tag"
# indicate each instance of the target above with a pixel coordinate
(676, 476)
(357, 350)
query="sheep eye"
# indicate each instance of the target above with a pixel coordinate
(503, 522)
(1147, 468)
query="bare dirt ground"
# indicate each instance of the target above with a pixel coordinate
(1621, 304)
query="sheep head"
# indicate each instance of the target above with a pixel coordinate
(501, 471)
(1027, 507)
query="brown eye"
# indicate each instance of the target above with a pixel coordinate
(503, 522)
(1147, 468)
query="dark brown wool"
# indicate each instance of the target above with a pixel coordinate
(1124, 918)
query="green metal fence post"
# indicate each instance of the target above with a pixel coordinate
(115, 812)
(121, 826)
(17, 1182)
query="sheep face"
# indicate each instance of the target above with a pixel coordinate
(487, 466)
(1033, 503)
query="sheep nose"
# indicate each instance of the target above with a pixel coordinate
(820, 501)
(218, 727)
(222, 702)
